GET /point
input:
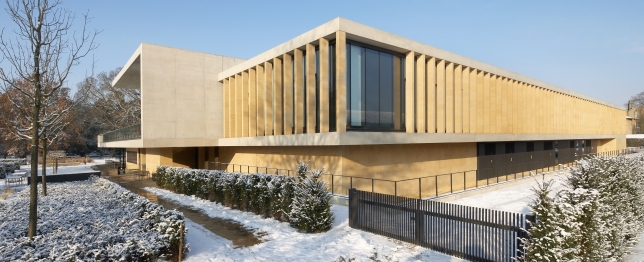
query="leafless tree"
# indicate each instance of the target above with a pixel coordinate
(42, 50)
(112, 107)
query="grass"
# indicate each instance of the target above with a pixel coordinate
(6, 193)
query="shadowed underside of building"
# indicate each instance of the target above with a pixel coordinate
(358, 102)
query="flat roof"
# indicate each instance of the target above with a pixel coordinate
(376, 37)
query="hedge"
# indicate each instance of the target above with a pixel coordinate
(262, 194)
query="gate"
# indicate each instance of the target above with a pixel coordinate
(472, 233)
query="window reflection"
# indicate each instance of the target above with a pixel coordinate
(375, 95)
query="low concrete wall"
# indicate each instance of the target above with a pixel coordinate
(67, 177)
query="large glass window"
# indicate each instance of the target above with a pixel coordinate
(374, 98)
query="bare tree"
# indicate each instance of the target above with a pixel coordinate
(42, 52)
(112, 107)
(55, 111)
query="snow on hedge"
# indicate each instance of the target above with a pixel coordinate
(596, 217)
(302, 201)
(86, 221)
(8, 167)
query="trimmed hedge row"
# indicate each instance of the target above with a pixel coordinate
(262, 194)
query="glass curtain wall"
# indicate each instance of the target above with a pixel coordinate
(375, 93)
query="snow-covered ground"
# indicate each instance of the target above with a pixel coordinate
(82, 168)
(282, 242)
(515, 198)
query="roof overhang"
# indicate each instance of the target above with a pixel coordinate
(130, 74)
(393, 138)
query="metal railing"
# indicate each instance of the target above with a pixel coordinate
(126, 133)
(429, 186)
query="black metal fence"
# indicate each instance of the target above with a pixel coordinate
(471, 233)
(424, 186)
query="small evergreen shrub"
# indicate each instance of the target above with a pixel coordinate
(596, 217)
(311, 206)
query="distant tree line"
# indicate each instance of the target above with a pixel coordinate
(97, 108)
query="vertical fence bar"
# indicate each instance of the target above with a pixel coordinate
(420, 194)
(395, 188)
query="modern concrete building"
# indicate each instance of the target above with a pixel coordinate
(394, 114)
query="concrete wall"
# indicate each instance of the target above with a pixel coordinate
(417, 164)
(181, 99)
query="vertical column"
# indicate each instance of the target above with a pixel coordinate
(534, 106)
(398, 88)
(527, 109)
(288, 94)
(480, 102)
(238, 106)
(252, 83)
(341, 81)
(458, 99)
(431, 95)
(268, 98)
(324, 85)
(311, 95)
(278, 95)
(298, 88)
(474, 104)
(539, 96)
(245, 104)
(515, 109)
(466, 99)
(521, 105)
(487, 112)
(261, 89)
(501, 104)
(420, 95)
(410, 126)
(449, 97)
(505, 111)
(494, 104)
(226, 110)
(440, 96)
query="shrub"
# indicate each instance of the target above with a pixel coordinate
(311, 206)
(89, 220)
(598, 215)
(268, 195)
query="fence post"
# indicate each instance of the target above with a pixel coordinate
(395, 188)
(420, 223)
(372, 185)
(353, 207)
(451, 183)
(420, 192)
(436, 184)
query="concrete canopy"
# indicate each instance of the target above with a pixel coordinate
(130, 75)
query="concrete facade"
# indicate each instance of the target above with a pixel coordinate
(289, 103)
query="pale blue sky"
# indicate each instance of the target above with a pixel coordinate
(592, 47)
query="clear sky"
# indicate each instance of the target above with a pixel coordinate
(592, 47)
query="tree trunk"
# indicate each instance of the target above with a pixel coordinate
(44, 166)
(33, 193)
